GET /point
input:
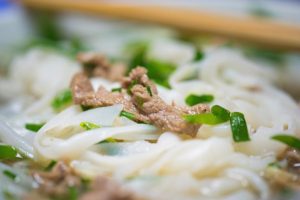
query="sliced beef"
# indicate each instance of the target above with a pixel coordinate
(96, 64)
(56, 184)
(139, 97)
(57, 181)
(84, 94)
(149, 104)
(292, 158)
(103, 188)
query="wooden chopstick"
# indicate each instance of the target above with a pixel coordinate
(265, 32)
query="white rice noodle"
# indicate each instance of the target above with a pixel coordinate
(17, 187)
(171, 51)
(23, 143)
(239, 85)
(41, 71)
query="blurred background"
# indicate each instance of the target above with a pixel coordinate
(69, 32)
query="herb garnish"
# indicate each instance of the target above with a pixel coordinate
(193, 99)
(127, 114)
(220, 115)
(133, 83)
(73, 193)
(51, 165)
(159, 71)
(85, 108)
(289, 140)
(149, 91)
(119, 89)
(198, 55)
(7, 152)
(62, 100)
(108, 140)
(34, 127)
(89, 125)
(9, 174)
(239, 127)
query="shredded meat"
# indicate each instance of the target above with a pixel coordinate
(167, 117)
(292, 157)
(143, 101)
(287, 173)
(84, 94)
(57, 182)
(96, 64)
(104, 189)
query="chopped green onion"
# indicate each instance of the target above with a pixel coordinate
(239, 127)
(149, 91)
(128, 115)
(138, 51)
(108, 140)
(7, 152)
(116, 89)
(159, 71)
(85, 108)
(289, 140)
(89, 125)
(198, 55)
(193, 99)
(217, 116)
(34, 127)
(51, 165)
(203, 118)
(221, 113)
(73, 193)
(133, 83)
(8, 195)
(274, 164)
(140, 102)
(62, 100)
(9, 174)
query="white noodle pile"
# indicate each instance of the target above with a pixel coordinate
(210, 166)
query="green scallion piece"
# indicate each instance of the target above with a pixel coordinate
(217, 116)
(220, 112)
(203, 118)
(10, 174)
(51, 165)
(34, 127)
(199, 55)
(128, 115)
(289, 140)
(7, 152)
(108, 140)
(149, 91)
(193, 99)
(239, 127)
(85, 108)
(62, 100)
(73, 193)
(116, 89)
(133, 83)
(89, 125)
(274, 164)
(159, 71)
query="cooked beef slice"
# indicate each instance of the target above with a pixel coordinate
(139, 96)
(96, 64)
